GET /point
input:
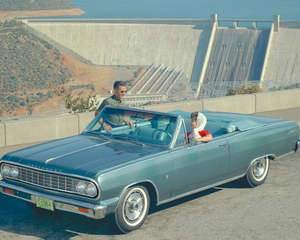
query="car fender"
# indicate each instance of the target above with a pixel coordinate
(151, 187)
(270, 156)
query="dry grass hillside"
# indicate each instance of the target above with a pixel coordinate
(41, 13)
(31, 67)
(101, 77)
(83, 74)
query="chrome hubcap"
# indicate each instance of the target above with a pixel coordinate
(259, 167)
(134, 206)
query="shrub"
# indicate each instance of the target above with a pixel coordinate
(14, 98)
(244, 90)
(76, 104)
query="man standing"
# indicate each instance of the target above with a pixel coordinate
(117, 118)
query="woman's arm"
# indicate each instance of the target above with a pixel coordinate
(206, 138)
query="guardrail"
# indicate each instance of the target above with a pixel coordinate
(30, 130)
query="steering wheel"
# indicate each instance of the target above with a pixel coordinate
(160, 130)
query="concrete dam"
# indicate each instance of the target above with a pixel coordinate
(212, 57)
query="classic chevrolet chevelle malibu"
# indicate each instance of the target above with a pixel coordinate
(124, 171)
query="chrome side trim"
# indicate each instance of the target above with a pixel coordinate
(284, 154)
(64, 204)
(200, 189)
(273, 157)
(186, 146)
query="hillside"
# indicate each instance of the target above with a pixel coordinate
(37, 8)
(30, 67)
(27, 64)
(34, 5)
(29, 59)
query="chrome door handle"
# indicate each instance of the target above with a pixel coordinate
(224, 145)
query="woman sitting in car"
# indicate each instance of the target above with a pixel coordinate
(197, 123)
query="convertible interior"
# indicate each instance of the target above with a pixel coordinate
(159, 128)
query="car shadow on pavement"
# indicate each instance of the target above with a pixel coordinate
(182, 200)
(17, 218)
(239, 183)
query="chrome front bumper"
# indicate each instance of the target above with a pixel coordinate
(64, 204)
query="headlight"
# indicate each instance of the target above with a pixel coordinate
(91, 189)
(5, 170)
(81, 186)
(14, 172)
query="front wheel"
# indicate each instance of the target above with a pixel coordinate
(132, 209)
(258, 171)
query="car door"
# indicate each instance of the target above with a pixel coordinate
(198, 166)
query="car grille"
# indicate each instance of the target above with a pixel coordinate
(48, 180)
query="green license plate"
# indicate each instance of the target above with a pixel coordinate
(44, 203)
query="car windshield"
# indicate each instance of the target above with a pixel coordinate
(127, 124)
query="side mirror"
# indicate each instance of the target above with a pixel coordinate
(193, 142)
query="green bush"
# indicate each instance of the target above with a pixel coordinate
(293, 86)
(76, 104)
(14, 98)
(244, 90)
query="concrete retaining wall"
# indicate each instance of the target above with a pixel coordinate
(83, 120)
(2, 135)
(188, 106)
(49, 128)
(276, 100)
(237, 104)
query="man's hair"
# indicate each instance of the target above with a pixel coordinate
(119, 83)
(194, 115)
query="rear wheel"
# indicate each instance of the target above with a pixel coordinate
(258, 172)
(132, 209)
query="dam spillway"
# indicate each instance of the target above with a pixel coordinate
(237, 56)
(210, 55)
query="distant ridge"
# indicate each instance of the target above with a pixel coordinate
(34, 5)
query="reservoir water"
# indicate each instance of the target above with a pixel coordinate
(189, 9)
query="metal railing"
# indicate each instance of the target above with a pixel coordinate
(214, 90)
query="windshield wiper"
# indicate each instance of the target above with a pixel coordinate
(133, 140)
(99, 134)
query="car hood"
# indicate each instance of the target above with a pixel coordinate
(82, 155)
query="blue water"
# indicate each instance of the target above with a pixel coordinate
(189, 9)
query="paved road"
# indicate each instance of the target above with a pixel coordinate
(230, 211)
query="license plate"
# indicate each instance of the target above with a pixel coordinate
(44, 203)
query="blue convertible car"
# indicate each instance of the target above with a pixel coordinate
(125, 170)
